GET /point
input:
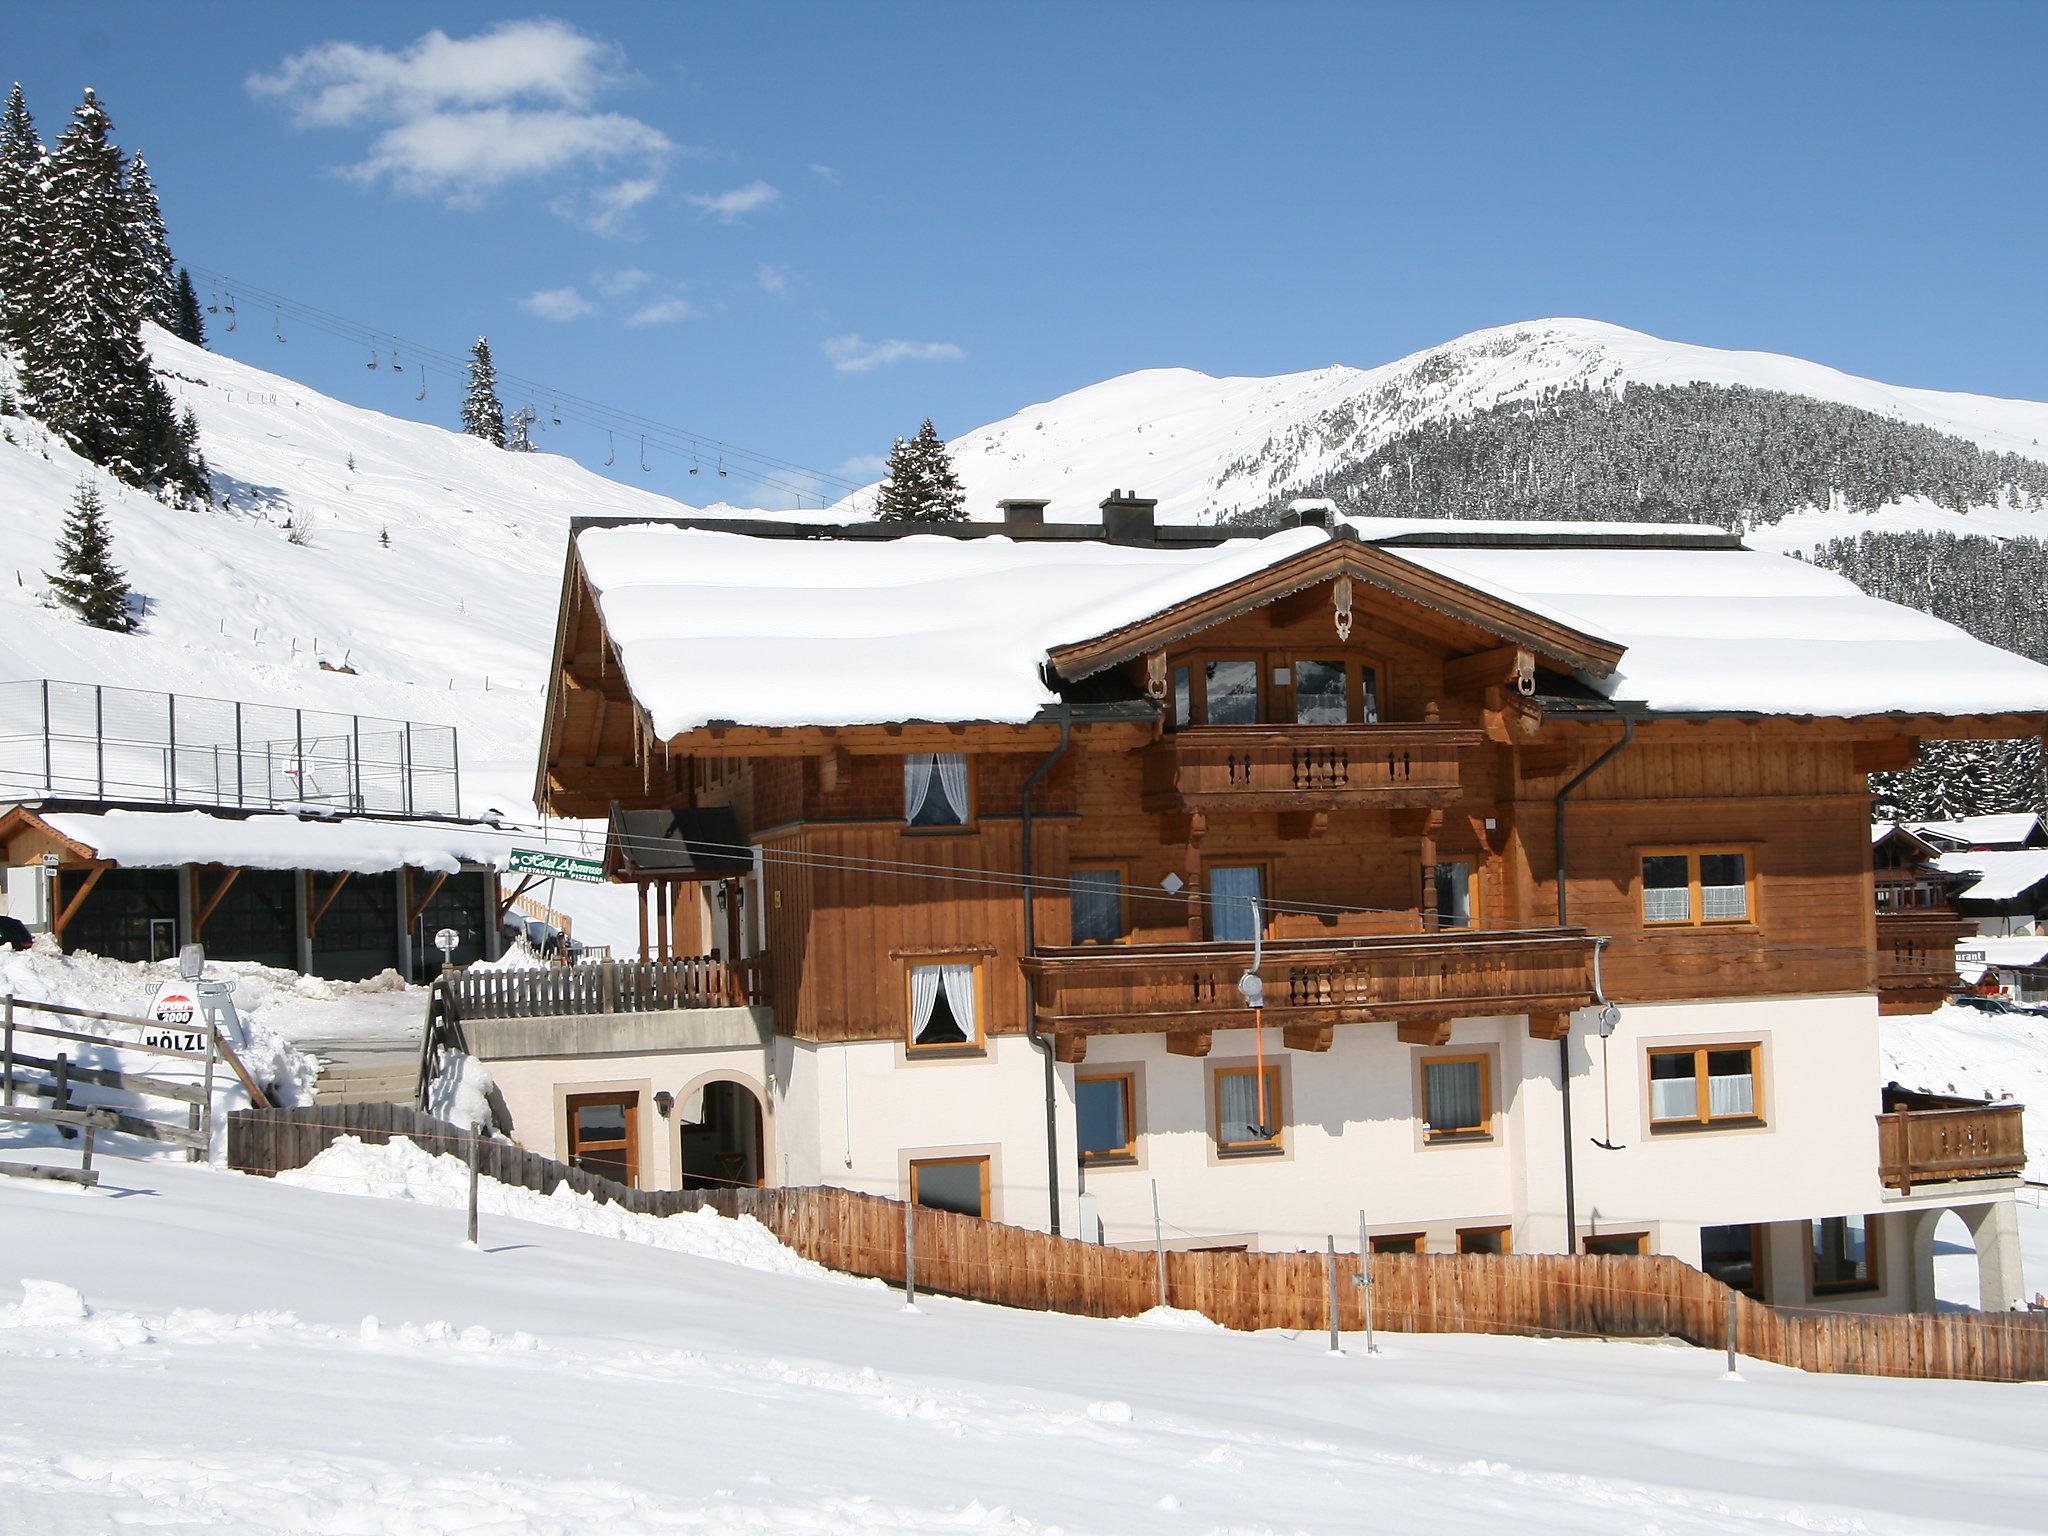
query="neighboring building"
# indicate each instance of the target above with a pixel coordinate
(1020, 803)
(345, 897)
(1918, 925)
(2000, 829)
(2014, 968)
(2003, 891)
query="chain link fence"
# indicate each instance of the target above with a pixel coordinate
(84, 741)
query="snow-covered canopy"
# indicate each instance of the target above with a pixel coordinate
(1975, 955)
(715, 626)
(354, 844)
(2003, 874)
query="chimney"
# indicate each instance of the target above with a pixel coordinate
(1310, 512)
(1022, 515)
(1127, 519)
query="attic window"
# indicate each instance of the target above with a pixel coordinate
(935, 789)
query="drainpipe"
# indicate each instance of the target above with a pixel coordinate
(1564, 1044)
(1052, 1081)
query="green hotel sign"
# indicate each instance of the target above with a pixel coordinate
(566, 866)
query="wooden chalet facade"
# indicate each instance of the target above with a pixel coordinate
(1546, 964)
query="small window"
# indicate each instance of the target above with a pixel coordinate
(1105, 1112)
(1237, 902)
(1231, 692)
(935, 789)
(957, 1184)
(1455, 1098)
(1454, 894)
(1183, 697)
(1396, 1242)
(1703, 1085)
(1322, 693)
(1633, 1244)
(1369, 695)
(1096, 905)
(1732, 1256)
(1844, 1254)
(604, 1135)
(1492, 1240)
(944, 1008)
(1696, 888)
(1243, 1122)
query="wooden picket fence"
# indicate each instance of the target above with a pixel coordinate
(1602, 1296)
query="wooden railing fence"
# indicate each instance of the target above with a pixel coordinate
(606, 986)
(1541, 1294)
(1928, 1146)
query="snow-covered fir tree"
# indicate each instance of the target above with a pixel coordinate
(86, 579)
(483, 414)
(187, 324)
(21, 217)
(152, 275)
(920, 486)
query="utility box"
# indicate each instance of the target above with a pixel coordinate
(28, 896)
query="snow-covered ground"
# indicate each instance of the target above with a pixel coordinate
(246, 1355)
(1979, 1054)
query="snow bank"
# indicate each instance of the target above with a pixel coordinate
(461, 1091)
(403, 1170)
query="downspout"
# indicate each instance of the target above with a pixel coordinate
(1564, 1044)
(1052, 1080)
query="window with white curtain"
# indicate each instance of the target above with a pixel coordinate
(935, 789)
(1237, 894)
(1696, 887)
(1243, 1124)
(1703, 1085)
(942, 1007)
(1454, 1097)
(1096, 905)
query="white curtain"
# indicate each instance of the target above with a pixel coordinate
(1734, 1094)
(1454, 1096)
(917, 782)
(1237, 1106)
(952, 767)
(1724, 902)
(1670, 904)
(1674, 1098)
(1234, 890)
(925, 981)
(960, 996)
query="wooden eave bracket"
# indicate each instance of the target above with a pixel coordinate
(1307, 1037)
(1430, 1029)
(1549, 1026)
(414, 909)
(319, 910)
(63, 919)
(1188, 1042)
(227, 881)
(1070, 1048)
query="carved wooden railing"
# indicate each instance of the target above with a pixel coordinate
(609, 986)
(1916, 958)
(1124, 988)
(1932, 1146)
(1305, 767)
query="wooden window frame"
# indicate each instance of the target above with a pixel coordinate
(1504, 1232)
(1265, 867)
(1759, 1253)
(1873, 1248)
(1123, 900)
(1475, 865)
(1128, 1152)
(1355, 661)
(1266, 660)
(919, 1164)
(629, 1100)
(1431, 1136)
(978, 1046)
(1383, 1242)
(1198, 684)
(1695, 907)
(1276, 1104)
(1704, 1118)
(1641, 1239)
(969, 823)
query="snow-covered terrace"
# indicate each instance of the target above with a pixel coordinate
(334, 845)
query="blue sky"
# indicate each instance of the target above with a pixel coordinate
(803, 228)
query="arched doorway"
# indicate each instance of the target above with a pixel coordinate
(722, 1139)
(1956, 1280)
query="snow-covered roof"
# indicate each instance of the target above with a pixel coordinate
(714, 626)
(2003, 874)
(2018, 952)
(2002, 829)
(357, 844)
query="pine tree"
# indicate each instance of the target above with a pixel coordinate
(87, 581)
(519, 430)
(186, 322)
(920, 486)
(483, 414)
(21, 219)
(151, 276)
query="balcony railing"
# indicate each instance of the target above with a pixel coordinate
(1916, 958)
(605, 987)
(1920, 1143)
(1305, 767)
(1130, 988)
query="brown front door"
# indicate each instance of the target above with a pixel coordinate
(604, 1135)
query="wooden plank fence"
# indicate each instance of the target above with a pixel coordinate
(1604, 1296)
(605, 986)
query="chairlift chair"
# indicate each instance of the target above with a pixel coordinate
(610, 453)
(372, 363)
(423, 383)
(279, 332)
(721, 466)
(645, 467)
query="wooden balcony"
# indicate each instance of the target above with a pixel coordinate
(1419, 982)
(1305, 767)
(1932, 1139)
(1916, 958)
(605, 987)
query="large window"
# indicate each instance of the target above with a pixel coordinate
(1703, 1085)
(1230, 691)
(1844, 1254)
(604, 1135)
(958, 1184)
(1096, 905)
(1323, 692)
(945, 1007)
(1105, 1108)
(1243, 1122)
(1697, 887)
(1455, 1098)
(1237, 902)
(1733, 1256)
(935, 789)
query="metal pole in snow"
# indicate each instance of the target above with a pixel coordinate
(473, 1180)
(1330, 1264)
(7, 1004)
(1159, 1242)
(909, 1253)
(1365, 1281)
(1731, 1333)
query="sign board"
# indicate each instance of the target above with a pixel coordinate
(177, 1016)
(533, 861)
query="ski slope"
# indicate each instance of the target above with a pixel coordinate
(196, 1349)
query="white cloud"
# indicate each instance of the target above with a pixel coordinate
(557, 304)
(739, 202)
(460, 117)
(856, 354)
(663, 312)
(620, 282)
(861, 468)
(826, 174)
(607, 210)
(773, 278)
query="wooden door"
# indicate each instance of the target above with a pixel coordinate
(604, 1135)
